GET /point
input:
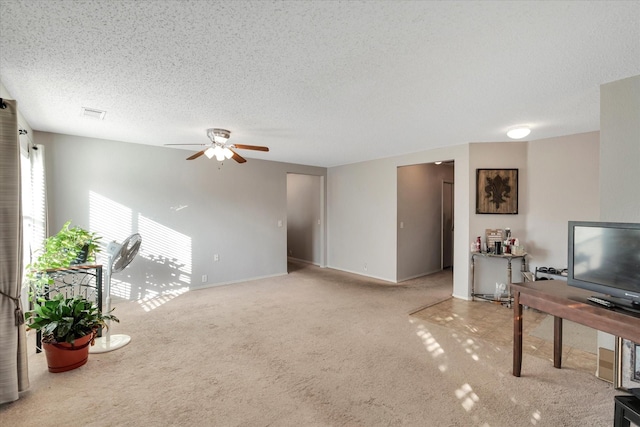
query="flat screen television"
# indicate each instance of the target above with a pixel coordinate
(604, 257)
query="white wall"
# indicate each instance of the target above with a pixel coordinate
(419, 225)
(499, 155)
(186, 211)
(361, 203)
(363, 225)
(620, 150)
(563, 185)
(619, 158)
(362, 215)
(304, 218)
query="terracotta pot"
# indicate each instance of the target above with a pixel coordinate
(63, 357)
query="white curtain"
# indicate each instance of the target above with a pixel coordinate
(13, 346)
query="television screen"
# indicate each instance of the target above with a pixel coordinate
(605, 258)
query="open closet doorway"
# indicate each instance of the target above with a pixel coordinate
(421, 237)
(305, 219)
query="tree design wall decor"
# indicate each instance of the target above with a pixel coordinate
(497, 191)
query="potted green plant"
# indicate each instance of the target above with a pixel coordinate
(69, 246)
(68, 327)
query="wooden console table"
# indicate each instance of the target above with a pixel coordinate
(566, 302)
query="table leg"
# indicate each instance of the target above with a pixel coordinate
(557, 342)
(509, 282)
(517, 335)
(473, 276)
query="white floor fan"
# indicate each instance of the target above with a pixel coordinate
(119, 255)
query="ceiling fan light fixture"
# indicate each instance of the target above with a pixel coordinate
(218, 151)
(218, 135)
(219, 148)
(518, 132)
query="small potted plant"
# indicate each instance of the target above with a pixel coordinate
(70, 246)
(68, 327)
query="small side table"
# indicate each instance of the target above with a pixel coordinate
(508, 258)
(627, 410)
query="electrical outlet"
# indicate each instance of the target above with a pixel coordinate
(279, 223)
(204, 278)
(216, 257)
(365, 266)
(401, 224)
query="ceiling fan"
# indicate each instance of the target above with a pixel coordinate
(220, 149)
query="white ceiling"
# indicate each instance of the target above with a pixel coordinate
(320, 82)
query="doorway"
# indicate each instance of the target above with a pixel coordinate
(420, 242)
(305, 219)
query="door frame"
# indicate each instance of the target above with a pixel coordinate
(442, 207)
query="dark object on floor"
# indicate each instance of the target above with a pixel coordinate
(627, 410)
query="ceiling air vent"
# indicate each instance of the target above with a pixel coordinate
(93, 113)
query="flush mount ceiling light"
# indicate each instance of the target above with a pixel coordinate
(518, 132)
(438, 163)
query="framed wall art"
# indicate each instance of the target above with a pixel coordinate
(497, 191)
(627, 366)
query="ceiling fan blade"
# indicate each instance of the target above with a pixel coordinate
(199, 145)
(251, 147)
(237, 157)
(195, 156)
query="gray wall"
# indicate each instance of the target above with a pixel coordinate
(304, 218)
(500, 155)
(420, 218)
(186, 211)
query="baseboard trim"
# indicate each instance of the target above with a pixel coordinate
(359, 273)
(235, 282)
(306, 261)
(418, 275)
(463, 297)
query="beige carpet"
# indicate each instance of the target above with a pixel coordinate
(316, 347)
(573, 334)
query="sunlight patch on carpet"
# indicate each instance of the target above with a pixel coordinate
(535, 417)
(467, 396)
(431, 344)
(151, 302)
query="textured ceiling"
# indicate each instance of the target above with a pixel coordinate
(320, 82)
